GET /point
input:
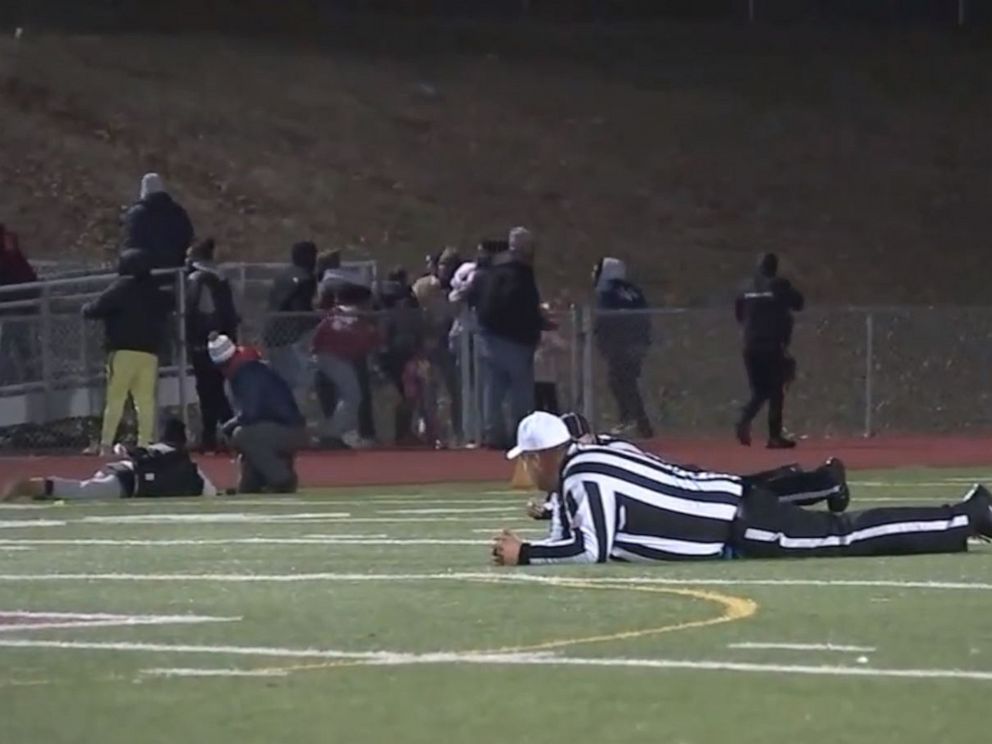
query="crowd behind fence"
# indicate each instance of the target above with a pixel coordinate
(861, 371)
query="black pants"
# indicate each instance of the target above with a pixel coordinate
(546, 397)
(767, 528)
(766, 373)
(214, 406)
(793, 485)
(623, 373)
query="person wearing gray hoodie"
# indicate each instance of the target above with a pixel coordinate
(623, 336)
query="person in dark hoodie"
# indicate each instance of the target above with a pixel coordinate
(157, 224)
(508, 307)
(290, 307)
(134, 311)
(765, 311)
(209, 309)
(268, 429)
(623, 335)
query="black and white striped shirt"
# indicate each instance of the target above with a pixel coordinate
(620, 503)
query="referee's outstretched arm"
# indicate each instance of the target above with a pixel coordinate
(591, 513)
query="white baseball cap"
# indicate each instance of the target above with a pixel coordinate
(537, 432)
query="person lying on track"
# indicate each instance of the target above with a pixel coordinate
(159, 470)
(627, 505)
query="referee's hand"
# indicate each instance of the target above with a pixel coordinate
(506, 549)
(537, 510)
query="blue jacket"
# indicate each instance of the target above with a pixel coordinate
(260, 394)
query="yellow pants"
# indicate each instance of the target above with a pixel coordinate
(134, 373)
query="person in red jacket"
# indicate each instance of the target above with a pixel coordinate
(346, 335)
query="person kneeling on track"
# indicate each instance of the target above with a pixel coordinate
(159, 470)
(627, 505)
(790, 483)
(268, 429)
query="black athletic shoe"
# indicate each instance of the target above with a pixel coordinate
(781, 443)
(838, 502)
(978, 502)
(743, 432)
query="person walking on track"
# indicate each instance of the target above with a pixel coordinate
(765, 311)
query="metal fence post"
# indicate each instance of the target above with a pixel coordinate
(242, 285)
(751, 10)
(183, 365)
(465, 373)
(574, 360)
(46, 349)
(869, 373)
(962, 13)
(588, 406)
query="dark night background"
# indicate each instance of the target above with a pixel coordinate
(298, 15)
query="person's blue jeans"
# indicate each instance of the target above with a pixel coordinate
(506, 370)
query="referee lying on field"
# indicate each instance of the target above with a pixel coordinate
(627, 505)
(792, 484)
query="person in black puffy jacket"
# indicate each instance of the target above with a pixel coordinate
(158, 225)
(765, 311)
(508, 306)
(623, 335)
(134, 311)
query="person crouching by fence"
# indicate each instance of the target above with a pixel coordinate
(345, 337)
(163, 469)
(209, 309)
(268, 428)
(134, 312)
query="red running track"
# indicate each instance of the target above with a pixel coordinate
(401, 467)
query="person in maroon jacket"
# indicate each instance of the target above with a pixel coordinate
(17, 352)
(346, 335)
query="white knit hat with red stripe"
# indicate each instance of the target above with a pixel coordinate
(221, 349)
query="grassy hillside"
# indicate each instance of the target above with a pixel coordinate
(866, 160)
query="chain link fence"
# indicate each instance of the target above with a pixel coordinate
(861, 371)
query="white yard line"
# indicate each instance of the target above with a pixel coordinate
(100, 620)
(386, 658)
(490, 576)
(803, 647)
(149, 520)
(17, 523)
(453, 510)
(317, 540)
(180, 672)
(214, 518)
(910, 484)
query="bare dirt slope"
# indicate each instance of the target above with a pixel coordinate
(867, 161)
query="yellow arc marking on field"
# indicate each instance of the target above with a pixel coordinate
(734, 608)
